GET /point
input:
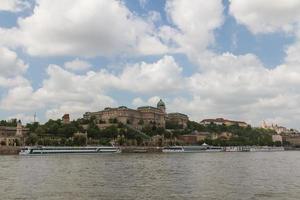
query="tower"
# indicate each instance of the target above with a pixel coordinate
(19, 128)
(161, 105)
(66, 119)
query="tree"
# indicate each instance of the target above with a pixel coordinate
(31, 139)
(141, 122)
(79, 139)
(33, 126)
(278, 143)
(110, 132)
(40, 131)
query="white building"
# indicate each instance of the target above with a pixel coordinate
(277, 138)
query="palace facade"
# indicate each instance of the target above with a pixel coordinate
(137, 118)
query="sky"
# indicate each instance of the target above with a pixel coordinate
(234, 59)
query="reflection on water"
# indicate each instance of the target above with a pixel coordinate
(264, 175)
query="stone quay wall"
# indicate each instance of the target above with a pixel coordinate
(9, 150)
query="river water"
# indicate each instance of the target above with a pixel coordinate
(257, 175)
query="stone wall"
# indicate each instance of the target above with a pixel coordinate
(9, 150)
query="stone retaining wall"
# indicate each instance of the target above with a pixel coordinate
(9, 150)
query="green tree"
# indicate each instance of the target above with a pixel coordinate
(79, 139)
(31, 139)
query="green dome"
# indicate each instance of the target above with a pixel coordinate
(161, 103)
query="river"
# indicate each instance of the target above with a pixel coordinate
(239, 175)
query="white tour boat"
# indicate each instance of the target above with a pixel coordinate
(192, 149)
(265, 149)
(173, 149)
(44, 150)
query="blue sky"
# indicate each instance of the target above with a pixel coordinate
(203, 59)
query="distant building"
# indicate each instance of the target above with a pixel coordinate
(178, 118)
(194, 138)
(277, 138)
(275, 127)
(11, 136)
(136, 118)
(221, 121)
(225, 136)
(222, 136)
(293, 140)
(66, 119)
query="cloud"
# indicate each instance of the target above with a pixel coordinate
(13, 82)
(161, 76)
(266, 16)
(20, 98)
(195, 21)
(25, 118)
(13, 5)
(242, 88)
(77, 28)
(152, 101)
(77, 65)
(77, 108)
(10, 64)
(12, 69)
(66, 92)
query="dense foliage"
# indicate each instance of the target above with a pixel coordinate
(54, 132)
(11, 123)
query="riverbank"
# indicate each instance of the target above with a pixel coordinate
(9, 150)
(12, 150)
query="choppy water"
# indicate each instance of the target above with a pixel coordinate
(260, 175)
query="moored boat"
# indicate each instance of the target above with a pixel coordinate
(265, 149)
(192, 149)
(44, 150)
(172, 149)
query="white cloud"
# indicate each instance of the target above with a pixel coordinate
(20, 98)
(77, 108)
(195, 21)
(25, 118)
(13, 5)
(161, 76)
(67, 92)
(13, 82)
(241, 88)
(10, 64)
(11, 69)
(77, 65)
(152, 101)
(266, 16)
(77, 28)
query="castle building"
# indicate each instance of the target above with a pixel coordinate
(178, 118)
(136, 118)
(10, 135)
